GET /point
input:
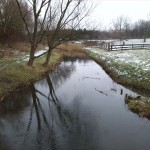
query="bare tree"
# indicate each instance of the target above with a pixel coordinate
(64, 17)
(35, 30)
(51, 18)
(9, 15)
(2, 3)
(141, 29)
(121, 26)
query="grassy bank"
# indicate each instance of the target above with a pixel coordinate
(16, 75)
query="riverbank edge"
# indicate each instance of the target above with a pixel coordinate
(140, 107)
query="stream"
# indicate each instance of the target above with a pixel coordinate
(77, 107)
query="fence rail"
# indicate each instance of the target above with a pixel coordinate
(111, 46)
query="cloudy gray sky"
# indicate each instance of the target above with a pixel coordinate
(109, 10)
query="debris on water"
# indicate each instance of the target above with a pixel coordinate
(101, 92)
(114, 90)
(138, 97)
(121, 92)
(91, 78)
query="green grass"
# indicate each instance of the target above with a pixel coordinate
(16, 75)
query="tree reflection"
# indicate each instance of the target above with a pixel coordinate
(62, 73)
(42, 120)
(15, 103)
(45, 119)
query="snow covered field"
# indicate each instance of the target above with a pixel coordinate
(132, 64)
(137, 58)
(23, 57)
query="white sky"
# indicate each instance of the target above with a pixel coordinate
(109, 10)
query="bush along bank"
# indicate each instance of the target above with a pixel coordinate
(116, 70)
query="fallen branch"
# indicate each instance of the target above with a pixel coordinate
(91, 78)
(101, 92)
(41, 54)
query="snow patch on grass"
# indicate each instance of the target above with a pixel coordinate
(23, 57)
(137, 58)
(132, 65)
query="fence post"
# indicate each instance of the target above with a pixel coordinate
(111, 47)
(108, 46)
(132, 46)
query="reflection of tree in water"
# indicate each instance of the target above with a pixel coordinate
(42, 124)
(52, 127)
(62, 73)
(81, 60)
(65, 70)
(48, 123)
(9, 108)
(15, 102)
(84, 130)
(44, 120)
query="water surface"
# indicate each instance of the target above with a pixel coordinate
(77, 107)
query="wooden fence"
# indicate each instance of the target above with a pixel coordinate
(111, 46)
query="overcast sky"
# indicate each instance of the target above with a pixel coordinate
(109, 10)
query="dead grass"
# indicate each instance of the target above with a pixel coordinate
(140, 107)
(70, 47)
(72, 50)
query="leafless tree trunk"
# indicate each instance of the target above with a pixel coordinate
(65, 14)
(35, 30)
(50, 17)
(121, 25)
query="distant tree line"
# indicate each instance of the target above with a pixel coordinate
(12, 28)
(121, 29)
(55, 22)
(51, 21)
(124, 29)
